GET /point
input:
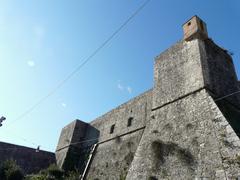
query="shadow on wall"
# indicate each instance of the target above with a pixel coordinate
(79, 150)
(231, 113)
(162, 150)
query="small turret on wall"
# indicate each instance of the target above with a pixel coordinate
(75, 142)
(195, 28)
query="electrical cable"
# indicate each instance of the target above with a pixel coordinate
(218, 99)
(78, 68)
(93, 139)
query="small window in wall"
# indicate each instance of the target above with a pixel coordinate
(112, 129)
(130, 121)
(201, 25)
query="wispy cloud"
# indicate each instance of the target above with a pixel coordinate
(31, 63)
(64, 104)
(129, 89)
(122, 87)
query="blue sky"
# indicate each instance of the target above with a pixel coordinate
(41, 42)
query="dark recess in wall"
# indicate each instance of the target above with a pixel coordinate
(231, 113)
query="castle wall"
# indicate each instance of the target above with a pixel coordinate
(28, 159)
(187, 139)
(218, 70)
(177, 72)
(113, 158)
(179, 129)
(138, 109)
(74, 144)
(232, 115)
(115, 151)
(71, 133)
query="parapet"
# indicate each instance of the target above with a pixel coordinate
(195, 28)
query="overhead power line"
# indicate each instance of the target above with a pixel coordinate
(30, 142)
(78, 68)
(228, 95)
(94, 139)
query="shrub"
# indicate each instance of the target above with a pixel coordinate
(51, 173)
(72, 175)
(35, 177)
(54, 173)
(9, 170)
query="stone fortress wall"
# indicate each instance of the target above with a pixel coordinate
(180, 128)
(30, 160)
(116, 150)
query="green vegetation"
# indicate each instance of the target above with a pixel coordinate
(123, 176)
(54, 173)
(9, 170)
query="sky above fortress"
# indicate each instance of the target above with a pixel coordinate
(42, 42)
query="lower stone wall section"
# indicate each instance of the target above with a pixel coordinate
(187, 139)
(28, 159)
(113, 158)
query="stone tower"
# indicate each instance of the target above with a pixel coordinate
(186, 127)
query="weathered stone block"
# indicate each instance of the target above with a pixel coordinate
(177, 72)
(75, 138)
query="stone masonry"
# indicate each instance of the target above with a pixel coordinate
(186, 127)
(29, 160)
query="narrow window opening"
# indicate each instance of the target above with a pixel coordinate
(130, 121)
(201, 25)
(112, 129)
(189, 23)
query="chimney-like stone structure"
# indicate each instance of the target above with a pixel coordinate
(195, 28)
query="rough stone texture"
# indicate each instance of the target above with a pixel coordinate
(28, 159)
(115, 151)
(218, 69)
(231, 113)
(138, 108)
(178, 131)
(72, 144)
(195, 28)
(189, 66)
(177, 72)
(186, 139)
(113, 158)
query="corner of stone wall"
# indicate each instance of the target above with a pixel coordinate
(229, 144)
